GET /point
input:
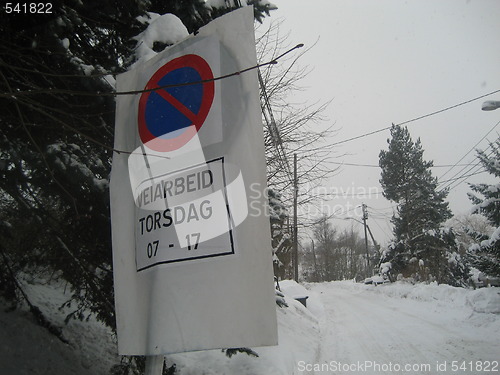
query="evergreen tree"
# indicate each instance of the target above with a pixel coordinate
(420, 248)
(56, 138)
(485, 254)
(261, 8)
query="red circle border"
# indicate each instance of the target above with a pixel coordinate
(202, 67)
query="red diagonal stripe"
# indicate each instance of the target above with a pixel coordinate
(177, 104)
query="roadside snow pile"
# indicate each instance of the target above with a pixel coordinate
(293, 290)
(28, 348)
(484, 300)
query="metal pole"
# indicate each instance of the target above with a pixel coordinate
(154, 365)
(295, 244)
(365, 216)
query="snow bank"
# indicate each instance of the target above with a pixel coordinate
(485, 300)
(26, 348)
(293, 290)
(31, 349)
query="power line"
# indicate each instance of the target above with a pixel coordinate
(379, 215)
(468, 152)
(378, 166)
(464, 177)
(461, 177)
(476, 166)
(415, 119)
(382, 229)
(20, 95)
(390, 208)
(134, 92)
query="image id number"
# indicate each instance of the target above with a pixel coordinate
(28, 8)
(474, 366)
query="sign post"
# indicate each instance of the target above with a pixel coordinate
(154, 365)
(191, 241)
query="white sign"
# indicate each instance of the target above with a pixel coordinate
(184, 231)
(192, 262)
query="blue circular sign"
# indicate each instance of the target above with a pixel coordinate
(171, 116)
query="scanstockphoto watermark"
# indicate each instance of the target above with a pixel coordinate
(371, 367)
(323, 201)
(196, 200)
(376, 367)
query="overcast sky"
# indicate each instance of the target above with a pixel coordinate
(389, 61)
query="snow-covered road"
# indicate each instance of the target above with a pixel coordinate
(365, 330)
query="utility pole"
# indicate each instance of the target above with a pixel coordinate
(375, 245)
(295, 244)
(365, 216)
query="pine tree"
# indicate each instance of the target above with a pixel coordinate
(56, 138)
(420, 248)
(485, 254)
(261, 8)
(57, 123)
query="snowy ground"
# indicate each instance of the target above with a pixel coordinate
(401, 328)
(27, 348)
(347, 328)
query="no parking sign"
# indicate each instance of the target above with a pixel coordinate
(191, 250)
(169, 117)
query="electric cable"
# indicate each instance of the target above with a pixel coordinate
(378, 166)
(466, 174)
(415, 119)
(468, 152)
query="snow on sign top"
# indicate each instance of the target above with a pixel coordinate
(166, 115)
